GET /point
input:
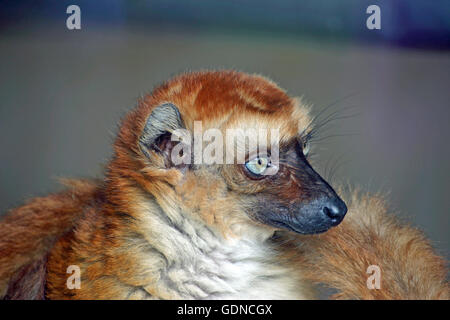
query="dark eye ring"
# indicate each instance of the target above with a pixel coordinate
(306, 148)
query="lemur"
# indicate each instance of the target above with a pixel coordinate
(153, 229)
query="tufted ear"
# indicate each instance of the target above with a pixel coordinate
(161, 123)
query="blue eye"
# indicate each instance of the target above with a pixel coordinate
(257, 165)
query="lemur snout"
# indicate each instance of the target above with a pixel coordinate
(335, 209)
(318, 215)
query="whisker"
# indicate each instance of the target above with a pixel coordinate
(332, 117)
(352, 134)
(338, 164)
(325, 109)
(328, 168)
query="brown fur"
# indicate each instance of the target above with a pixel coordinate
(106, 228)
(369, 235)
(28, 233)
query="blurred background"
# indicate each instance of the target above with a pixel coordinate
(62, 92)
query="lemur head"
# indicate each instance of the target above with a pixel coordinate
(157, 155)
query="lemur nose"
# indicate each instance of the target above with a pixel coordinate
(335, 209)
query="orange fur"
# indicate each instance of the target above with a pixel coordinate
(28, 233)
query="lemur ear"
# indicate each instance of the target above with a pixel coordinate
(156, 135)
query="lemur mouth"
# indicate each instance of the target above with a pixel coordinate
(281, 224)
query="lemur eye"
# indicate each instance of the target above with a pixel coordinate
(306, 147)
(258, 165)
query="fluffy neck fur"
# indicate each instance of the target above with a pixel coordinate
(198, 262)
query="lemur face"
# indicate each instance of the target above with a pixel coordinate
(173, 134)
(295, 198)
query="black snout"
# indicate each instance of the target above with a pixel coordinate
(335, 209)
(318, 207)
(318, 215)
(315, 216)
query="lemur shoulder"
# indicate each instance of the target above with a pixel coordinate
(153, 229)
